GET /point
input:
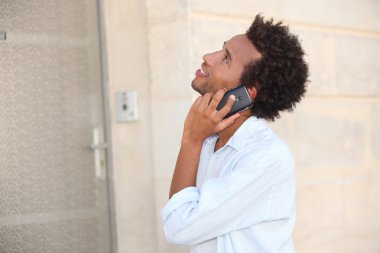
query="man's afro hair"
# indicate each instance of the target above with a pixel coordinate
(281, 74)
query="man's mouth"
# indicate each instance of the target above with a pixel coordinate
(200, 73)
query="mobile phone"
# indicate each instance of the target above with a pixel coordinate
(242, 100)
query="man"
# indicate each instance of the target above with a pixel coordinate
(233, 188)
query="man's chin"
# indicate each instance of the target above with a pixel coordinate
(197, 89)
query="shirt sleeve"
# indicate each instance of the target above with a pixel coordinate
(224, 204)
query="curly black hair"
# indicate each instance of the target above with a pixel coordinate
(281, 74)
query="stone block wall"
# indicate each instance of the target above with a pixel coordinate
(156, 46)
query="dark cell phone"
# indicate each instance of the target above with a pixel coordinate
(242, 100)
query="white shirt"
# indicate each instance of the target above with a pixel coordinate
(244, 199)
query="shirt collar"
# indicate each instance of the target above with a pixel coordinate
(242, 135)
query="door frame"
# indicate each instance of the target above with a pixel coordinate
(107, 124)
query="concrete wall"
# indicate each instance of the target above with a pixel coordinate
(154, 47)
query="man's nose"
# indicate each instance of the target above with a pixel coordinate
(209, 58)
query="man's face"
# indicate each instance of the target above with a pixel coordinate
(222, 69)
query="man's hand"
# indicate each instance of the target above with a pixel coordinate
(203, 120)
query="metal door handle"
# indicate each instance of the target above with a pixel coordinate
(96, 146)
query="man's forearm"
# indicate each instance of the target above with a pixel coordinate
(202, 121)
(185, 172)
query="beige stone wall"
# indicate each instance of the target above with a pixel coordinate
(155, 46)
(128, 69)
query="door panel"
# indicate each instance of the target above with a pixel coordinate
(51, 198)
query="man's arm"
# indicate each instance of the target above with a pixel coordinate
(202, 121)
(260, 188)
(186, 167)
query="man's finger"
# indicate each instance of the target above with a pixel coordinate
(227, 107)
(196, 102)
(205, 101)
(227, 122)
(217, 98)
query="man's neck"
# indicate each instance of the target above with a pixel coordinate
(226, 133)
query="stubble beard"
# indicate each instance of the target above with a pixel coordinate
(201, 89)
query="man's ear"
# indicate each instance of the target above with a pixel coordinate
(252, 91)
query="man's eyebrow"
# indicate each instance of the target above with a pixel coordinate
(227, 52)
